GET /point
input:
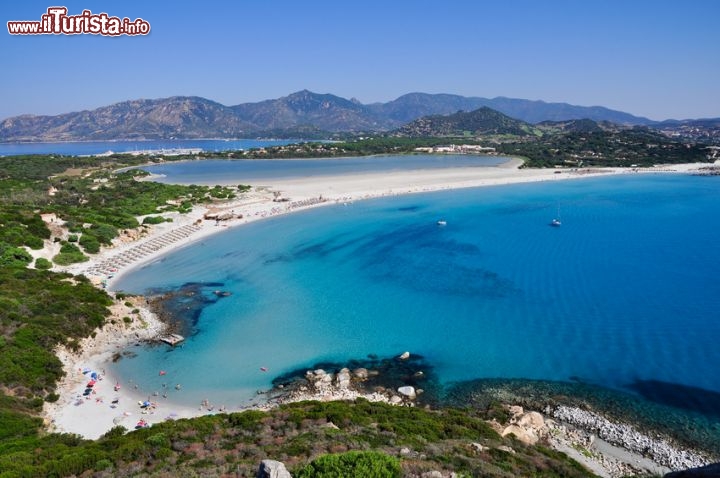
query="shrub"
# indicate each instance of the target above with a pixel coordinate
(42, 264)
(14, 256)
(69, 254)
(105, 233)
(154, 220)
(90, 244)
(353, 464)
(52, 397)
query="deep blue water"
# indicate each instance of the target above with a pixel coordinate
(79, 148)
(626, 294)
(231, 171)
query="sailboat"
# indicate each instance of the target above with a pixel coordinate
(556, 221)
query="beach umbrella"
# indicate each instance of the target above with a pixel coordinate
(94, 375)
(86, 370)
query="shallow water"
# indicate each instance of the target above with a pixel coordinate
(624, 295)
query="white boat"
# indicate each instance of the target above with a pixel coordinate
(556, 221)
(442, 222)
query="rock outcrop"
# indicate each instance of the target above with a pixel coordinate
(272, 469)
(527, 427)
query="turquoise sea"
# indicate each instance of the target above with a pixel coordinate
(625, 295)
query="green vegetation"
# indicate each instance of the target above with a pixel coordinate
(638, 146)
(42, 264)
(353, 464)
(39, 310)
(94, 202)
(69, 254)
(582, 144)
(313, 439)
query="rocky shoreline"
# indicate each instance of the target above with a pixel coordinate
(607, 448)
(658, 449)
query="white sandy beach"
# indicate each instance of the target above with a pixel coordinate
(93, 416)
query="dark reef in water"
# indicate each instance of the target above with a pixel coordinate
(706, 402)
(181, 308)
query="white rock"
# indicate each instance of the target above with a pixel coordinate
(478, 447)
(360, 373)
(272, 469)
(408, 391)
(343, 379)
(532, 420)
(526, 436)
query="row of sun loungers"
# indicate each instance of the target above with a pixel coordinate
(137, 252)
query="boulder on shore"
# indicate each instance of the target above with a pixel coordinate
(408, 392)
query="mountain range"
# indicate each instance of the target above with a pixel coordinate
(301, 114)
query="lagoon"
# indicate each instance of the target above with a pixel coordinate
(221, 171)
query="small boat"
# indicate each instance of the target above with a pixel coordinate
(556, 221)
(442, 222)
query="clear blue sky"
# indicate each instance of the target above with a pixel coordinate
(654, 58)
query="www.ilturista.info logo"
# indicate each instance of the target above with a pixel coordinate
(57, 22)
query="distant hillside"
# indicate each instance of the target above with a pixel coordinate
(415, 105)
(304, 108)
(482, 121)
(176, 117)
(320, 114)
(577, 126)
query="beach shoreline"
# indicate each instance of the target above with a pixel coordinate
(95, 415)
